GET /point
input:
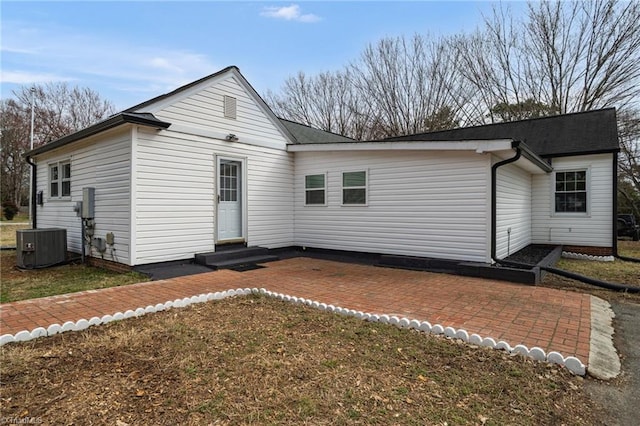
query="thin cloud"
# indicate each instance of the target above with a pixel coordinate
(289, 13)
(85, 58)
(27, 77)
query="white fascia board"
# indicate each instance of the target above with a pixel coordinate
(161, 104)
(479, 146)
(232, 72)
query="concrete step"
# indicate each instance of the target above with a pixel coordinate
(241, 261)
(229, 254)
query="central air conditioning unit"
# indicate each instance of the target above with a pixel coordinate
(39, 248)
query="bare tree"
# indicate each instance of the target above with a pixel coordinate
(59, 110)
(629, 162)
(408, 82)
(397, 86)
(326, 101)
(567, 56)
(62, 109)
(14, 134)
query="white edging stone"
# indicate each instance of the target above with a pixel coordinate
(22, 336)
(489, 342)
(437, 329)
(38, 332)
(573, 364)
(520, 349)
(555, 358)
(462, 335)
(81, 324)
(582, 256)
(475, 339)
(537, 354)
(55, 329)
(504, 346)
(95, 321)
(7, 338)
(68, 326)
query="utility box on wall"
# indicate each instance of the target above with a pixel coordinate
(88, 203)
(39, 248)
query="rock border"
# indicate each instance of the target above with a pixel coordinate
(582, 256)
(573, 364)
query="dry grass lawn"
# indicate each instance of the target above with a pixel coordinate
(8, 233)
(30, 284)
(255, 360)
(618, 271)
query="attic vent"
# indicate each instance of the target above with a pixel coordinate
(229, 106)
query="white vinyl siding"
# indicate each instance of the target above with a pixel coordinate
(205, 110)
(591, 229)
(430, 204)
(105, 165)
(176, 193)
(513, 210)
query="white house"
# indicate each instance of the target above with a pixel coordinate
(210, 164)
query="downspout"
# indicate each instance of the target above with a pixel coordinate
(494, 233)
(494, 199)
(34, 181)
(614, 245)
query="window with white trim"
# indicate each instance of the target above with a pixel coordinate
(354, 188)
(315, 190)
(60, 179)
(571, 192)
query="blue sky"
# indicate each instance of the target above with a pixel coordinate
(132, 51)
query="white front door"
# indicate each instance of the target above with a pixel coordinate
(229, 199)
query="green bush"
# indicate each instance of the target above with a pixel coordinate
(10, 210)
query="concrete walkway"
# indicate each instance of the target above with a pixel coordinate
(550, 319)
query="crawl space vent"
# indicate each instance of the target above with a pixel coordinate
(229, 106)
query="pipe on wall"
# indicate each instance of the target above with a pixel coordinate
(34, 187)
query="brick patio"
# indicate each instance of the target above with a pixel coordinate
(553, 320)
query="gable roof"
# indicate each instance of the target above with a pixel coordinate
(306, 134)
(578, 133)
(137, 114)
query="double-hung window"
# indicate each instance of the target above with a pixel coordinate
(60, 179)
(354, 188)
(315, 190)
(571, 192)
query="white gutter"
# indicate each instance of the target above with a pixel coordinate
(478, 146)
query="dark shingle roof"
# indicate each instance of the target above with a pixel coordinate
(306, 134)
(143, 119)
(569, 134)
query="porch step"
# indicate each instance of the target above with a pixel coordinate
(235, 257)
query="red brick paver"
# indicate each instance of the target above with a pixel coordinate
(534, 316)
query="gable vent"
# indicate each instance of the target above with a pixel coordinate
(229, 106)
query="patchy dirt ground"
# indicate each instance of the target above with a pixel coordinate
(254, 360)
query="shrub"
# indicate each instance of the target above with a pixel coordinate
(9, 210)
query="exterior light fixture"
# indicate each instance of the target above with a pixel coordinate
(231, 137)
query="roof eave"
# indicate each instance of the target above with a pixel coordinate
(581, 153)
(110, 123)
(532, 156)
